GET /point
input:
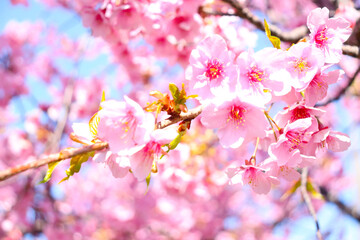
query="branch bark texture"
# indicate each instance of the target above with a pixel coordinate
(72, 152)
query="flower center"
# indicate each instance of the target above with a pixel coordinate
(256, 74)
(295, 139)
(317, 82)
(236, 115)
(299, 113)
(300, 65)
(321, 37)
(214, 69)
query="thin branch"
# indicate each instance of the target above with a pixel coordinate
(331, 198)
(53, 144)
(69, 153)
(292, 36)
(204, 12)
(307, 200)
(64, 154)
(193, 113)
(353, 51)
(342, 92)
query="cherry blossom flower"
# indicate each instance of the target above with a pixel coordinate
(141, 162)
(256, 176)
(288, 173)
(256, 73)
(124, 125)
(211, 70)
(317, 88)
(302, 63)
(237, 120)
(328, 34)
(295, 112)
(333, 140)
(286, 151)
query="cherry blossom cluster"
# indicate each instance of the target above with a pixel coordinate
(235, 92)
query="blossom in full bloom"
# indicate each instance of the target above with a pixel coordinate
(212, 69)
(237, 120)
(258, 73)
(124, 125)
(317, 88)
(297, 111)
(141, 162)
(328, 34)
(287, 150)
(256, 176)
(303, 62)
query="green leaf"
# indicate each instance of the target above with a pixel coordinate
(315, 194)
(274, 40)
(192, 96)
(148, 178)
(51, 167)
(291, 191)
(174, 91)
(173, 144)
(75, 164)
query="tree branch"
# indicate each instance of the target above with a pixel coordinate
(69, 153)
(292, 36)
(342, 92)
(193, 113)
(307, 200)
(64, 154)
(331, 198)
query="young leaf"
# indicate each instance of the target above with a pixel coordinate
(313, 192)
(174, 91)
(148, 178)
(51, 167)
(274, 40)
(75, 164)
(291, 191)
(94, 120)
(173, 144)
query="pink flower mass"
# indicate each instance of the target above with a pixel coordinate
(179, 119)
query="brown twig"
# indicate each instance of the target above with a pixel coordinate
(342, 92)
(69, 153)
(353, 51)
(332, 199)
(293, 36)
(64, 154)
(307, 200)
(193, 113)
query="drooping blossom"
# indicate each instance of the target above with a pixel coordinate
(211, 71)
(286, 151)
(297, 111)
(318, 87)
(142, 161)
(328, 34)
(285, 172)
(333, 140)
(237, 118)
(254, 175)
